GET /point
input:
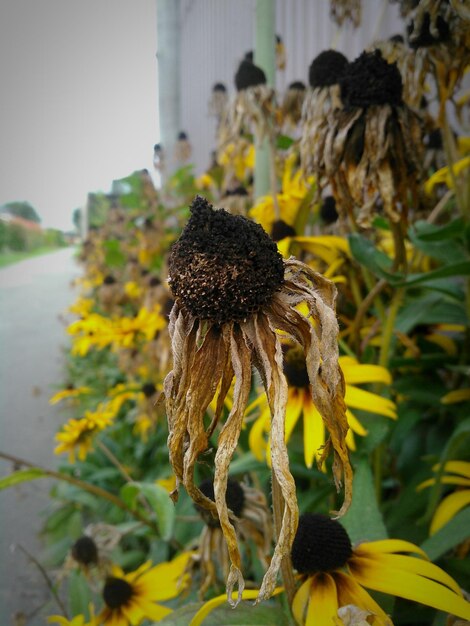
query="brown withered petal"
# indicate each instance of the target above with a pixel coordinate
(208, 353)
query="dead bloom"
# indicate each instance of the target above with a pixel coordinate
(232, 293)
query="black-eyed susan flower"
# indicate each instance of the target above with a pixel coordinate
(373, 150)
(70, 392)
(335, 575)
(131, 597)
(299, 403)
(78, 434)
(453, 473)
(251, 517)
(232, 291)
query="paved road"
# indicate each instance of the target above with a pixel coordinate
(33, 294)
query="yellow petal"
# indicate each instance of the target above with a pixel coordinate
(323, 605)
(356, 373)
(314, 432)
(299, 604)
(387, 546)
(248, 594)
(295, 401)
(458, 395)
(457, 467)
(409, 586)
(355, 425)
(444, 342)
(349, 592)
(445, 480)
(256, 439)
(350, 441)
(448, 508)
(371, 402)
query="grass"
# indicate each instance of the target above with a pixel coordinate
(10, 257)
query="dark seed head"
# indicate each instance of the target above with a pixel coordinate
(167, 306)
(237, 191)
(109, 280)
(234, 497)
(397, 39)
(84, 551)
(182, 136)
(249, 75)
(249, 56)
(219, 87)
(321, 544)
(328, 211)
(117, 592)
(424, 37)
(295, 368)
(223, 267)
(371, 80)
(297, 85)
(327, 68)
(157, 147)
(434, 140)
(148, 389)
(154, 281)
(281, 229)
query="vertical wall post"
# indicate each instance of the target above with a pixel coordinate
(169, 79)
(265, 58)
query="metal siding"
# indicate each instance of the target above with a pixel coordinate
(215, 34)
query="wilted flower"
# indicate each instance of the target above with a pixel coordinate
(373, 147)
(346, 10)
(183, 149)
(321, 100)
(219, 100)
(291, 107)
(252, 521)
(232, 292)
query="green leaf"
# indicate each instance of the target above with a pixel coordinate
(461, 268)
(364, 520)
(284, 142)
(369, 256)
(158, 498)
(114, 257)
(21, 476)
(265, 614)
(430, 232)
(79, 593)
(449, 536)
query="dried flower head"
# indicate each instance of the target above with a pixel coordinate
(323, 97)
(291, 107)
(232, 293)
(218, 100)
(252, 522)
(346, 10)
(373, 147)
(183, 148)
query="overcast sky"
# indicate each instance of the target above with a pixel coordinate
(78, 105)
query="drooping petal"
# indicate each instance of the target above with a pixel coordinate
(350, 592)
(295, 401)
(409, 586)
(448, 508)
(457, 467)
(314, 432)
(301, 598)
(355, 425)
(166, 580)
(458, 395)
(445, 480)
(387, 546)
(323, 605)
(356, 373)
(371, 402)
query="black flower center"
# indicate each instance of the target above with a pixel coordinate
(295, 368)
(321, 544)
(223, 267)
(234, 497)
(148, 389)
(425, 37)
(109, 280)
(281, 229)
(328, 211)
(327, 68)
(84, 551)
(117, 592)
(249, 75)
(371, 80)
(220, 87)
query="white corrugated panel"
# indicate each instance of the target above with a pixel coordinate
(215, 34)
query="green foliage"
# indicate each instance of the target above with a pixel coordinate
(21, 209)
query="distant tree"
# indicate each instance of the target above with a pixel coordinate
(21, 209)
(77, 217)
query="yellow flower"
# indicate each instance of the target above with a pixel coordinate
(240, 157)
(79, 433)
(78, 620)
(300, 403)
(336, 575)
(444, 176)
(168, 483)
(82, 306)
(119, 332)
(73, 392)
(205, 182)
(143, 423)
(133, 290)
(293, 192)
(129, 598)
(459, 474)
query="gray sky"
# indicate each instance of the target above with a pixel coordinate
(78, 105)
